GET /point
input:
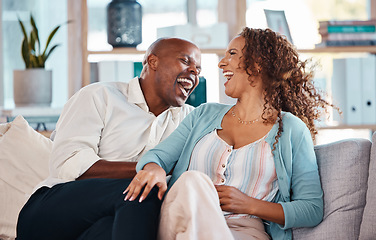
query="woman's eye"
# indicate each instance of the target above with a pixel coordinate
(232, 53)
(185, 61)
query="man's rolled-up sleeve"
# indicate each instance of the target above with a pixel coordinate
(78, 133)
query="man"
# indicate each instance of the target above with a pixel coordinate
(102, 132)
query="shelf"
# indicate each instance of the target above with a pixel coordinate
(371, 127)
(345, 49)
(348, 49)
(126, 50)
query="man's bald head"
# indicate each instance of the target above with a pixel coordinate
(165, 45)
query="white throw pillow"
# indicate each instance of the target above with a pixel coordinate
(24, 155)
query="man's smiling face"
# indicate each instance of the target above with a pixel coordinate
(178, 71)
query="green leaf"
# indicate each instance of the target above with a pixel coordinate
(22, 28)
(52, 34)
(35, 31)
(32, 42)
(25, 53)
(49, 52)
(34, 61)
(40, 61)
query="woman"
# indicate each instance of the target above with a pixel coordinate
(254, 162)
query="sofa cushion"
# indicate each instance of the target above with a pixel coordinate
(24, 155)
(343, 168)
(368, 226)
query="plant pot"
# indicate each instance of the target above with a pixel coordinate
(32, 87)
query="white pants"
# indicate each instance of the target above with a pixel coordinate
(191, 210)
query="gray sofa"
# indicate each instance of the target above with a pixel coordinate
(348, 175)
(347, 169)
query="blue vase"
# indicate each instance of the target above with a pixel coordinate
(124, 23)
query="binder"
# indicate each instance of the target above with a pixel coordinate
(369, 90)
(107, 71)
(353, 91)
(347, 90)
(339, 90)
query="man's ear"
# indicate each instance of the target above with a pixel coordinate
(153, 61)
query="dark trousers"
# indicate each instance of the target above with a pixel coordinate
(88, 209)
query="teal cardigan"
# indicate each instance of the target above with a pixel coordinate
(300, 192)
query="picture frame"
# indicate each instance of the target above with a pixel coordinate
(276, 21)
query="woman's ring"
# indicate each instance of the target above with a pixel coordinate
(137, 179)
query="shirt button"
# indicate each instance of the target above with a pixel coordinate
(223, 165)
(229, 150)
(222, 180)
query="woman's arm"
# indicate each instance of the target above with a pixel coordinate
(304, 206)
(233, 200)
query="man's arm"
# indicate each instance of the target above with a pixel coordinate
(106, 169)
(78, 135)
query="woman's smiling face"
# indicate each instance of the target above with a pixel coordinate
(233, 68)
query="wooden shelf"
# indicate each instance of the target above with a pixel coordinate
(345, 49)
(126, 50)
(348, 49)
(371, 127)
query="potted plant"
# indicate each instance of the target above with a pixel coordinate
(33, 85)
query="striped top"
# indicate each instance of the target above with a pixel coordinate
(249, 168)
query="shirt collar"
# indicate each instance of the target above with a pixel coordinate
(136, 96)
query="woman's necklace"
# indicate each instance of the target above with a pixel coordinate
(241, 121)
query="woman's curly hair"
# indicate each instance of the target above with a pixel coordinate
(287, 80)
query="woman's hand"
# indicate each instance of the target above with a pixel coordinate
(151, 175)
(233, 200)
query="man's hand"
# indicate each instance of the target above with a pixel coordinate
(233, 200)
(152, 175)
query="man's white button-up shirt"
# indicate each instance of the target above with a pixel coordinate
(109, 121)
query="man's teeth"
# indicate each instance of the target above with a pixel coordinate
(185, 92)
(185, 85)
(188, 85)
(228, 75)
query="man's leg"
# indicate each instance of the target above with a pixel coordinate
(100, 230)
(67, 210)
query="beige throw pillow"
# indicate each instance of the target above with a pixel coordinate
(24, 155)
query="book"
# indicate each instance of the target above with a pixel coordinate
(347, 26)
(323, 24)
(348, 36)
(351, 28)
(348, 29)
(346, 43)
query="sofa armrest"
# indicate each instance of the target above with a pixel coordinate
(343, 168)
(368, 227)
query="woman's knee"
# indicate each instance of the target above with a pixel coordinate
(196, 179)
